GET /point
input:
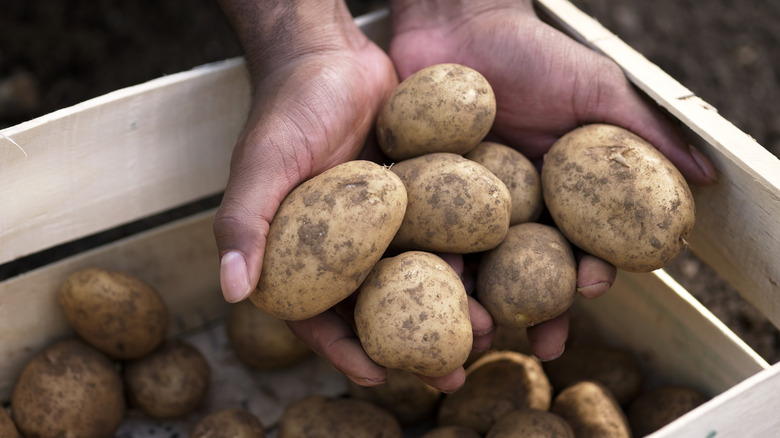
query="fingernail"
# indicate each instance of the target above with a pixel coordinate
(702, 163)
(555, 355)
(594, 290)
(367, 382)
(234, 277)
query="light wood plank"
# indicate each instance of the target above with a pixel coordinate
(119, 157)
(737, 231)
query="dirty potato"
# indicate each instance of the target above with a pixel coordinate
(412, 314)
(455, 205)
(318, 416)
(326, 236)
(229, 423)
(592, 411)
(441, 108)
(615, 196)
(531, 423)
(658, 407)
(451, 432)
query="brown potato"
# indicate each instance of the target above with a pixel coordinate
(518, 173)
(455, 205)
(229, 423)
(660, 406)
(404, 395)
(441, 108)
(262, 341)
(497, 383)
(412, 314)
(7, 427)
(615, 196)
(617, 369)
(322, 417)
(531, 423)
(451, 432)
(114, 312)
(69, 389)
(170, 382)
(529, 278)
(592, 411)
(326, 236)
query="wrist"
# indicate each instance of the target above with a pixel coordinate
(414, 14)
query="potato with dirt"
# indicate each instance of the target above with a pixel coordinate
(229, 423)
(617, 197)
(592, 411)
(441, 108)
(319, 416)
(326, 236)
(531, 423)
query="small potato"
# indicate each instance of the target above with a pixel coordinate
(455, 205)
(229, 423)
(519, 175)
(615, 196)
(70, 389)
(660, 406)
(529, 278)
(170, 382)
(321, 417)
(441, 108)
(531, 423)
(262, 341)
(404, 395)
(497, 383)
(617, 369)
(412, 314)
(451, 432)
(114, 312)
(592, 411)
(326, 236)
(7, 427)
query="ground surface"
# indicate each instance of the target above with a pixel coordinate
(56, 54)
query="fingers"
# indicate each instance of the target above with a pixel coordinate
(548, 339)
(481, 325)
(594, 276)
(446, 384)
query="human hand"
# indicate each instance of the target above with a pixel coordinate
(546, 84)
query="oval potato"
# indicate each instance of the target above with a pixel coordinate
(441, 108)
(318, 416)
(617, 197)
(531, 423)
(326, 236)
(229, 423)
(592, 411)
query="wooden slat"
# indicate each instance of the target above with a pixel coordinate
(179, 260)
(737, 231)
(119, 157)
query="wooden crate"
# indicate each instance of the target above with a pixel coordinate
(150, 148)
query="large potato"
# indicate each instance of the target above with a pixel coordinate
(412, 314)
(441, 108)
(519, 175)
(322, 417)
(529, 278)
(114, 312)
(615, 196)
(70, 389)
(531, 423)
(404, 395)
(497, 383)
(455, 205)
(592, 411)
(326, 236)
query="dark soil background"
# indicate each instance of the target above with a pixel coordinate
(56, 54)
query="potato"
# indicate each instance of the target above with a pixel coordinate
(229, 423)
(530, 423)
(326, 236)
(592, 411)
(412, 314)
(519, 175)
(114, 312)
(441, 108)
(69, 389)
(617, 369)
(262, 341)
(404, 395)
(529, 278)
(322, 417)
(496, 384)
(455, 205)
(615, 196)
(7, 427)
(660, 406)
(170, 382)
(451, 432)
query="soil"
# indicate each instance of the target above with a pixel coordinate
(56, 54)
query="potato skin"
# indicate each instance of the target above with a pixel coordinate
(455, 205)
(531, 423)
(229, 423)
(326, 236)
(262, 341)
(441, 108)
(322, 417)
(519, 175)
(660, 406)
(170, 382)
(592, 411)
(412, 314)
(615, 196)
(451, 432)
(115, 312)
(529, 278)
(70, 389)
(7, 427)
